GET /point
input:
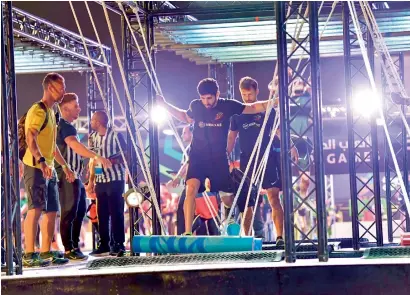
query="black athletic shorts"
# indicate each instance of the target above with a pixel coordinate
(41, 193)
(272, 173)
(216, 170)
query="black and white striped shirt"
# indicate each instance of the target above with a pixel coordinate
(108, 146)
(74, 160)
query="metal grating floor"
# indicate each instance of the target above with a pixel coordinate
(208, 258)
(391, 252)
(300, 248)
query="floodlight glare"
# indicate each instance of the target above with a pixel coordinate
(159, 115)
(366, 103)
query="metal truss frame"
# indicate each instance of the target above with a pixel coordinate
(94, 99)
(143, 98)
(43, 34)
(223, 73)
(138, 81)
(397, 215)
(47, 35)
(11, 220)
(285, 99)
(357, 138)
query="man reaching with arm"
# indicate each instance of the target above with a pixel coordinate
(248, 128)
(72, 195)
(208, 157)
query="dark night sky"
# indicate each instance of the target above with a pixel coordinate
(178, 77)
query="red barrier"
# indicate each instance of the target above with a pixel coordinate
(405, 239)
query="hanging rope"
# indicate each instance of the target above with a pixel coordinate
(102, 93)
(356, 24)
(147, 175)
(151, 72)
(258, 178)
(131, 105)
(321, 34)
(212, 210)
(382, 49)
(264, 165)
(258, 144)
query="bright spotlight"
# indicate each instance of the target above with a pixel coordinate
(168, 132)
(366, 102)
(134, 198)
(159, 115)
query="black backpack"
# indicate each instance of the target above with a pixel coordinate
(21, 130)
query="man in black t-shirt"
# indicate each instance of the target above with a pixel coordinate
(208, 157)
(72, 195)
(248, 127)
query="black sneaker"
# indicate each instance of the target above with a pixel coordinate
(57, 254)
(34, 260)
(101, 251)
(280, 242)
(53, 257)
(118, 250)
(75, 254)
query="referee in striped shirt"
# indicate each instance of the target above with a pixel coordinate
(108, 184)
(72, 195)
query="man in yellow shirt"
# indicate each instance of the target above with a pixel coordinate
(40, 179)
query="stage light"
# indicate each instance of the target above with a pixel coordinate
(366, 102)
(159, 115)
(168, 132)
(134, 198)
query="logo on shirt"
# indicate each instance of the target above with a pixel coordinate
(203, 124)
(252, 124)
(258, 117)
(219, 116)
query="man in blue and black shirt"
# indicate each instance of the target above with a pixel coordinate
(248, 127)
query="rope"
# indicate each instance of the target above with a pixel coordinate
(264, 165)
(321, 34)
(257, 145)
(382, 49)
(101, 91)
(262, 169)
(147, 175)
(131, 105)
(152, 79)
(212, 209)
(154, 82)
(144, 171)
(356, 24)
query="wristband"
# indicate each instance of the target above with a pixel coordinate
(64, 166)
